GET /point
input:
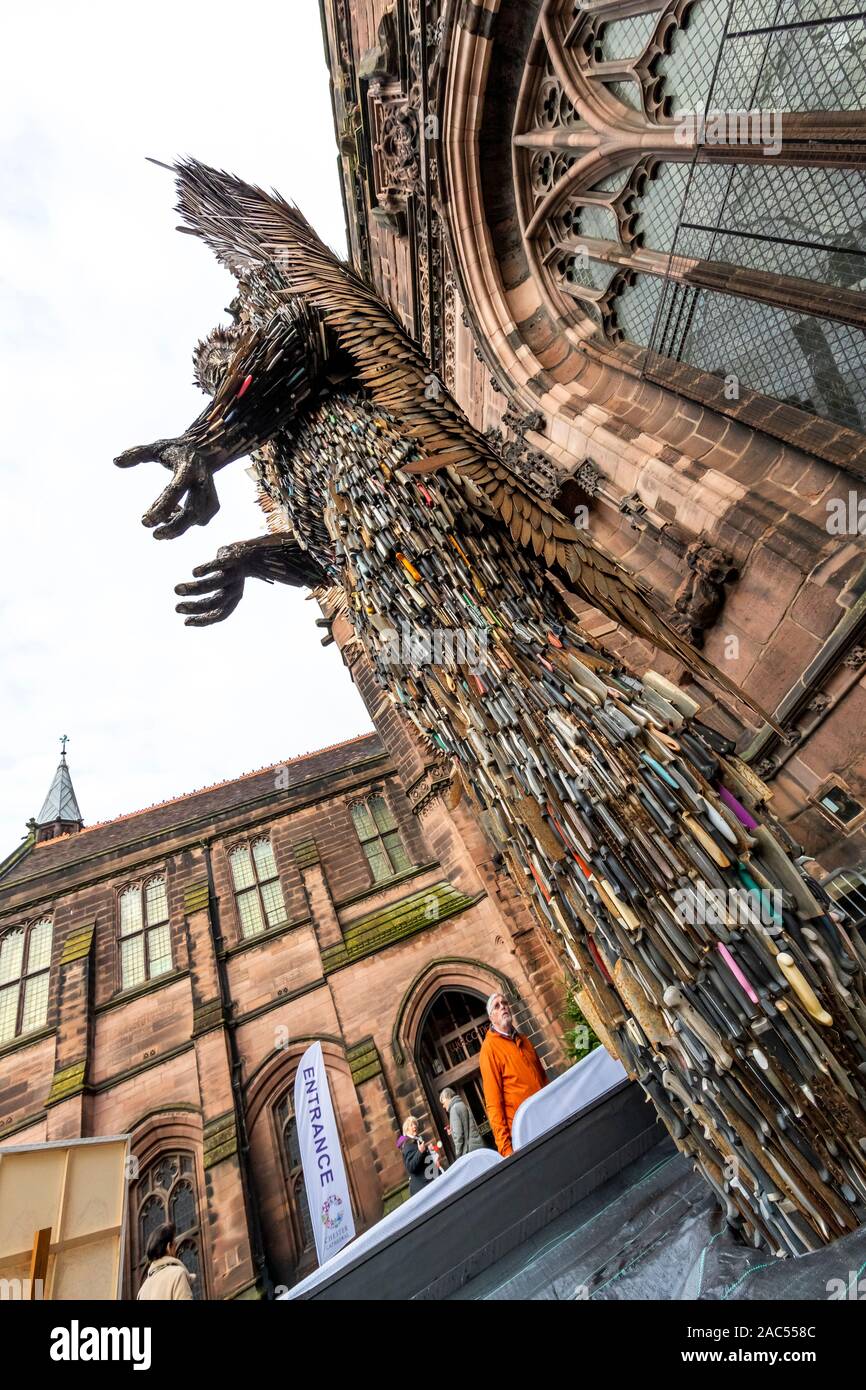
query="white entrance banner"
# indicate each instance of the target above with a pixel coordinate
(321, 1156)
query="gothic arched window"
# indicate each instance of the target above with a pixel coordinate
(145, 934)
(689, 195)
(377, 830)
(25, 963)
(167, 1191)
(299, 1207)
(258, 891)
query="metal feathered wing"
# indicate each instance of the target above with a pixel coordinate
(259, 236)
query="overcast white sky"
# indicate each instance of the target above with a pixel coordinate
(101, 303)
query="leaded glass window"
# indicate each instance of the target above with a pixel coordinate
(145, 932)
(25, 963)
(258, 891)
(167, 1192)
(377, 830)
(677, 219)
(299, 1207)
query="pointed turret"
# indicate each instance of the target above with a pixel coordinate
(60, 814)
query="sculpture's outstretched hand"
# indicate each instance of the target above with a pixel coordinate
(218, 586)
(190, 498)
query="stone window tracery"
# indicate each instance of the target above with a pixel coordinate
(144, 932)
(378, 832)
(167, 1192)
(648, 234)
(258, 891)
(25, 963)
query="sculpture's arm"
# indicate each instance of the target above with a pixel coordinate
(272, 374)
(219, 585)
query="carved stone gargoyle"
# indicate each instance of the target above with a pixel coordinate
(701, 597)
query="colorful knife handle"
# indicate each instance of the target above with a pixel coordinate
(739, 811)
(737, 972)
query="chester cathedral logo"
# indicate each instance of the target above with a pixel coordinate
(332, 1212)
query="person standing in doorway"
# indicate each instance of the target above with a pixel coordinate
(510, 1070)
(465, 1135)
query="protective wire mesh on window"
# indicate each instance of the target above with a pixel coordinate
(806, 223)
(847, 888)
(688, 69)
(627, 92)
(809, 223)
(625, 38)
(800, 65)
(814, 364)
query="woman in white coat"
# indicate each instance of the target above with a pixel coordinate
(167, 1277)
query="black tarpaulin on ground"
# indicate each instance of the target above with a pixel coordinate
(655, 1231)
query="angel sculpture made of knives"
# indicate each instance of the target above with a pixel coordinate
(703, 957)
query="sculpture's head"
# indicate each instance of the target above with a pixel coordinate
(213, 355)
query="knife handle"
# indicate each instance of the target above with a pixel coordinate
(803, 990)
(705, 839)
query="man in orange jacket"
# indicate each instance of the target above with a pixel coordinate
(510, 1070)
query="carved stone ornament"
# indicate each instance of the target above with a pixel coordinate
(398, 145)
(701, 597)
(588, 479)
(514, 419)
(528, 463)
(634, 507)
(383, 59)
(396, 155)
(433, 785)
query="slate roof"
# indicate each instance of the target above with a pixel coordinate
(60, 803)
(201, 805)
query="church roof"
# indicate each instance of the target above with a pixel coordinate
(60, 804)
(181, 814)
